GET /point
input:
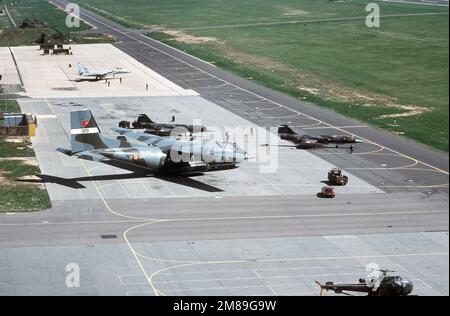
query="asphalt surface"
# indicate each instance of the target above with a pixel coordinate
(237, 245)
(228, 246)
(247, 99)
(282, 171)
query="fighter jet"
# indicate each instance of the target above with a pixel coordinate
(99, 74)
(161, 129)
(156, 154)
(311, 141)
(377, 283)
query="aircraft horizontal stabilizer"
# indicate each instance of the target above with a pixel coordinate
(91, 156)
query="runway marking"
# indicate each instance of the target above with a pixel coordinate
(134, 293)
(273, 291)
(290, 22)
(269, 109)
(354, 126)
(336, 267)
(149, 278)
(426, 285)
(260, 218)
(158, 292)
(121, 277)
(46, 116)
(309, 126)
(417, 3)
(252, 93)
(283, 117)
(103, 198)
(258, 277)
(71, 223)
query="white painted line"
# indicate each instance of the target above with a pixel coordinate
(252, 93)
(133, 293)
(121, 277)
(425, 285)
(418, 3)
(327, 127)
(46, 116)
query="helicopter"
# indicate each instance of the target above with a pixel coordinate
(377, 283)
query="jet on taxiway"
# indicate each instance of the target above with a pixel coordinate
(311, 141)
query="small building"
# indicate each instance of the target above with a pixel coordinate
(17, 124)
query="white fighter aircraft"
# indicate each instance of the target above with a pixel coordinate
(99, 74)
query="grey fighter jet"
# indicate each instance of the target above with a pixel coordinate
(312, 141)
(156, 154)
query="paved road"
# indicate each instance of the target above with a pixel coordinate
(224, 218)
(229, 246)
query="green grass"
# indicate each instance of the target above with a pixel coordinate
(204, 13)
(13, 169)
(9, 106)
(430, 131)
(404, 62)
(18, 196)
(45, 12)
(21, 149)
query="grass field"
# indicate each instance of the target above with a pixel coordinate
(9, 106)
(394, 77)
(16, 195)
(44, 12)
(20, 196)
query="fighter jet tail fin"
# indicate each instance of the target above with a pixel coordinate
(82, 69)
(143, 118)
(284, 129)
(85, 134)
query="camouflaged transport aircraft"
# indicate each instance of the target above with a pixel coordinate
(156, 154)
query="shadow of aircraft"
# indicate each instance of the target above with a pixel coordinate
(94, 79)
(74, 183)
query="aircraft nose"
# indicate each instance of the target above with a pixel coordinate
(358, 140)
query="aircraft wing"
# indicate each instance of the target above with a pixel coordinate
(308, 143)
(97, 73)
(163, 143)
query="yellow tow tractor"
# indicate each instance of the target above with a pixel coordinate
(335, 177)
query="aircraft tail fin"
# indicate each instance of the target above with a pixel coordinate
(85, 134)
(82, 69)
(143, 118)
(285, 129)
